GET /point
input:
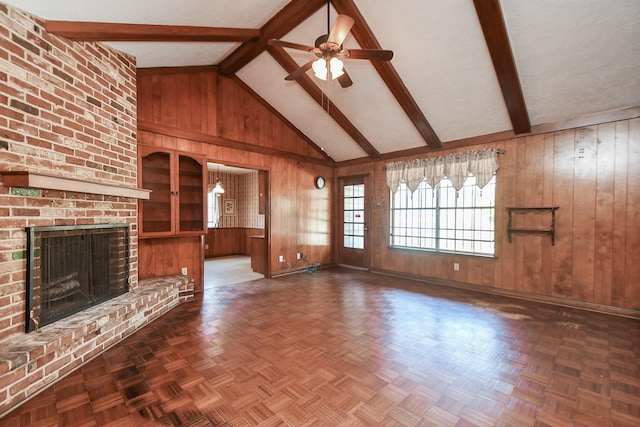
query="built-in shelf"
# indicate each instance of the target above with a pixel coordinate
(26, 179)
(550, 230)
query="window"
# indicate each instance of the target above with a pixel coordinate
(213, 209)
(354, 216)
(440, 220)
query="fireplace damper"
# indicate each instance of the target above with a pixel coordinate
(70, 268)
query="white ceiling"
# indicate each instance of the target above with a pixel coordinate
(219, 167)
(573, 58)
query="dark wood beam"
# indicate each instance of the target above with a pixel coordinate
(103, 31)
(160, 129)
(316, 93)
(174, 70)
(497, 39)
(365, 38)
(292, 15)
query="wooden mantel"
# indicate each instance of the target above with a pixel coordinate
(26, 179)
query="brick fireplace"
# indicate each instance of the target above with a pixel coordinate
(67, 110)
(67, 158)
(72, 268)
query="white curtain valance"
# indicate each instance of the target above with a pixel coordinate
(456, 167)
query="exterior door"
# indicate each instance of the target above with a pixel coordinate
(352, 232)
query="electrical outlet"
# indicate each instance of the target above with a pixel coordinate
(281, 258)
(206, 246)
(299, 255)
(184, 271)
(456, 266)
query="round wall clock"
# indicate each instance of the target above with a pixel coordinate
(320, 182)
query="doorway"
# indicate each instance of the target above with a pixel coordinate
(238, 218)
(352, 225)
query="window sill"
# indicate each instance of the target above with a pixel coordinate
(445, 253)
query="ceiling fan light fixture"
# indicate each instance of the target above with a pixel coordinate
(328, 51)
(320, 68)
(337, 68)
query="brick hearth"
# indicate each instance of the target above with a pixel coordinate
(31, 362)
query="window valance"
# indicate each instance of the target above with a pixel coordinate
(456, 167)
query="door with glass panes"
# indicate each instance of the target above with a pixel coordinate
(352, 228)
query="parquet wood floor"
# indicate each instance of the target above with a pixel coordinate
(350, 348)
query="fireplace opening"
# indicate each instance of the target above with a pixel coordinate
(71, 268)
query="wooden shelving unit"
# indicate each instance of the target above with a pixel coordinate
(550, 230)
(177, 204)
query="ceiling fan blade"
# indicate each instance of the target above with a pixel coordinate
(371, 54)
(340, 29)
(344, 79)
(282, 43)
(300, 71)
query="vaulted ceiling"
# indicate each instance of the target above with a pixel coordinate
(462, 70)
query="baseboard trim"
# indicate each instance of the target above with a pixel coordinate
(527, 296)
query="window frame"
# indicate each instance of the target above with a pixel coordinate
(353, 207)
(210, 208)
(476, 246)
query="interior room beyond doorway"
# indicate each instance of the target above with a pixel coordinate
(228, 270)
(236, 217)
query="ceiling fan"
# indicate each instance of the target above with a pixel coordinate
(328, 51)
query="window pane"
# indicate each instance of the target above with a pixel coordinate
(348, 241)
(212, 210)
(348, 191)
(358, 230)
(358, 203)
(348, 204)
(348, 228)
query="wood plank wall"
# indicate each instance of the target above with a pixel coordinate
(190, 107)
(592, 174)
(229, 241)
(167, 256)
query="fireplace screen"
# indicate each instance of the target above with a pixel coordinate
(72, 268)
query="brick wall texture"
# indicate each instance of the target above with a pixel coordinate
(67, 109)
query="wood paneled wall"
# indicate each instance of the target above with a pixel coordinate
(183, 100)
(168, 255)
(208, 105)
(592, 174)
(229, 241)
(242, 118)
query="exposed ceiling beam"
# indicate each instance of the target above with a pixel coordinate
(316, 93)
(102, 31)
(292, 15)
(366, 39)
(497, 39)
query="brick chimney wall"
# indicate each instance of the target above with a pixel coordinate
(67, 109)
